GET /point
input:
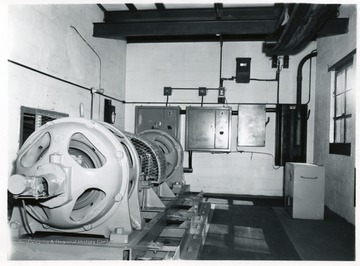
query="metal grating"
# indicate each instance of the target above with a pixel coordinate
(152, 159)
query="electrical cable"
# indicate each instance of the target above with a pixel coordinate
(167, 100)
(93, 51)
(27, 227)
(62, 80)
(263, 79)
(92, 93)
(257, 152)
(48, 75)
(202, 101)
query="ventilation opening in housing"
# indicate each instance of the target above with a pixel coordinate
(85, 153)
(36, 151)
(86, 202)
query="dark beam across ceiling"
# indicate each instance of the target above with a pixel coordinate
(160, 6)
(185, 28)
(189, 24)
(244, 13)
(131, 7)
(102, 7)
(197, 38)
(257, 23)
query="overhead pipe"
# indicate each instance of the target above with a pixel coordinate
(299, 75)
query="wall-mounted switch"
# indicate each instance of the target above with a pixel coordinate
(167, 91)
(221, 92)
(202, 91)
(274, 61)
(286, 61)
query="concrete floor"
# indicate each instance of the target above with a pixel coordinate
(330, 239)
(261, 229)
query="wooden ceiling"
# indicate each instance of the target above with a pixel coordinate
(284, 28)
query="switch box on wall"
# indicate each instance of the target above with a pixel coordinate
(158, 117)
(291, 133)
(243, 70)
(208, 129)
(251, 125)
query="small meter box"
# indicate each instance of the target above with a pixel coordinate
(166, 118)
(208, 129)
(243, 70)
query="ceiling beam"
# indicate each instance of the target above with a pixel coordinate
(131, 7)
(101, 7)
(201, 14)
(160, 6)
(334, 27)
(183, 28)
(197, 38)
(218, 8)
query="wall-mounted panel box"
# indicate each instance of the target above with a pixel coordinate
(251, 125)
(291, 133)
(166, 118)
(242, 70)
(208, 129)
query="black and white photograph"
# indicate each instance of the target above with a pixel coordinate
(189, 131)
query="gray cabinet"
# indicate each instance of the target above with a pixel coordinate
(251, 125)
(158, 117)
(208, 129)
(304, 190)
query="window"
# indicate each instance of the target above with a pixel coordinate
(343, 81)
(32, 119)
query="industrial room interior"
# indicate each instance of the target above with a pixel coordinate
(170, 131)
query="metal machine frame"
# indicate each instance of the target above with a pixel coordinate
(128, 219)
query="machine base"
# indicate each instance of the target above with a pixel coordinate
(177, 231)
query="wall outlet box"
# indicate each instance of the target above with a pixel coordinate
(202, 91)
(286, 61)
(221, 92)
(167, 91)
(221, 100)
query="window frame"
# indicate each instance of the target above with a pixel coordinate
(341, 148)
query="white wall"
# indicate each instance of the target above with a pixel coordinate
(339, 169)
(40, 37)
(151, 67)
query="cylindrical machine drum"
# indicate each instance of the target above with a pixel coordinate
(76, 172)
(171, 149)
(152, 159)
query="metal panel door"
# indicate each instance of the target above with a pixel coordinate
(222, 129)
(251, 125)
(148, 118)
(158, 117)
(208, 129)
(171, 121)
(200, 129)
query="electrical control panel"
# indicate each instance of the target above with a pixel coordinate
(208, 129)
(290, 133)
(251, 125)
(166, 118)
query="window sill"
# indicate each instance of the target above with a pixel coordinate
(340, 148)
